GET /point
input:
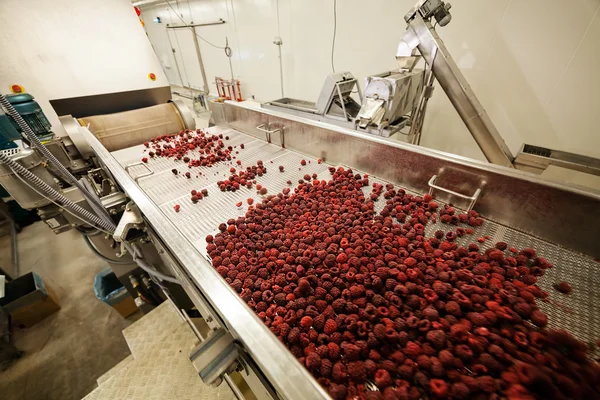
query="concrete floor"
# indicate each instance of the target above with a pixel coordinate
(68, 351)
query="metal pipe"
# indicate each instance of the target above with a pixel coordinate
(139, 260)
(458, 90)
(199, 55)
(48, 192)
(90, 244)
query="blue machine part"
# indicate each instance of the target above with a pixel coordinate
(31, 112)
(8, 133)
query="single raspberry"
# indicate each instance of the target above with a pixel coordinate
(330, 326)
(412, 350)
(339, 372)
(357, 370)
(318, 323)
(294, 335)
(337, 392)
(438, 387)
(306, 322)
(539, 318)
(437, 338)
(351, 351)
(326, 367)
(446, 358)
(563, 287)
(382, 379)
(486, 384)
(459, 391)
(313, 361)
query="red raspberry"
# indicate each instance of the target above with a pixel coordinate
(460, 391)
(453, 308)
(437, 338)
(337, 392)
(438, 387)
(539, 318)
(357, 370)
(446, 358)
(371, 367)
(379, 332)
(319, 322)
(313, 362)
(334, 351)
(326, 368)
(323, 351)
(486, 384)
(294, 335)
(412, 350)
(330, 326)
(338, 373)
(382, 379)
(351, 351)
(306, 322)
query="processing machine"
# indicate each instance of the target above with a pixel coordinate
(137, 206)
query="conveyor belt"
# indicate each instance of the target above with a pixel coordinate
(579, 313)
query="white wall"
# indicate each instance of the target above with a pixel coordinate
(532, 63)
(68, 48)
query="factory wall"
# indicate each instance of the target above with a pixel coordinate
(532, 63)
(69, 48)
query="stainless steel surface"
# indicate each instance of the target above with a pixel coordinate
(420, 33)
(524, 201)
(215, 357)
(19, 191)
(397, 90)
(279, 366)
(337, 86)
(472, 199)
(537, 159)
(294, 104)
(185, 114)
(131, 219)
(268, 131)
(71, 126)
(143, 164)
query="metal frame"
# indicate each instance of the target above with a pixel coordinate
(280, 367)
(530, 203)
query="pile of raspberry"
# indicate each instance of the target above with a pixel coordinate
(364, 299)
(211, 148)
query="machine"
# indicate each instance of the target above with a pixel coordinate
(142, 208)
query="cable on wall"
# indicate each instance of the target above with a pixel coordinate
(334, 34)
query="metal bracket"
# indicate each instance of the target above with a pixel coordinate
(215, 357)
(472, 199)
(131, 219)
(150, 172)
(265, 128)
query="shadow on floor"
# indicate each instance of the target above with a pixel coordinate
(67, 352)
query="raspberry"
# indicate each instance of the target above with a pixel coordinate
(294, 335)
(382, 379)
(459, 391)
(478, 319)
(370, 367)
(453, 308)
(446, 358)
(326, 367)
(563, 287)
(486, 384)
(539, 318)
(438, 387)
(318, 322)
(337, 392)
(412, 350)
(357, 370)
(351, 351)
(313, 362)
(330, 326)
(437, 338)
(306, 322)
(379, 332)
(338, 373)
(463, 352)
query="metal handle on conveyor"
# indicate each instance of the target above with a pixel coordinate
(472, 199)
(150, 172)
(265, 128)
